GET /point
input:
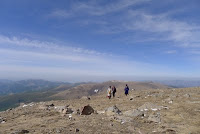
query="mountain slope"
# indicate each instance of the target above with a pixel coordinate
(149, 111)
(88, 89)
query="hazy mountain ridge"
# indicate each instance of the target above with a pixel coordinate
(180, 83)
(12, 93)
(11, 87)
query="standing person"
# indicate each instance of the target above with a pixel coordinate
(126, 89)
(109, 91)
(114, 90)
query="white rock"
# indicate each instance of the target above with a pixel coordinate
(154, 109)
(24, 105)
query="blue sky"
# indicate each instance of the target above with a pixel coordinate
(95, 40)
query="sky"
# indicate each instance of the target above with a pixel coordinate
(99, 40)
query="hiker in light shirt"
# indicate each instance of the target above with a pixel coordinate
(109, 91)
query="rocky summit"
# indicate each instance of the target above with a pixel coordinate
(154, 111)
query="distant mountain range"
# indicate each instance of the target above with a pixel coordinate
(12, 93)
(180, 83)
(12, 87)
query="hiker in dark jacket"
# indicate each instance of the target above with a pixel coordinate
(126, 89)
(114, 90)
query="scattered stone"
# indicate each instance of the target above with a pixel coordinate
(133, 113)
(131, 98)
(64, 109)
(87, 110)
(101, 112)
(51, 105)
(168, 100)
(149, 106)
(77, 130)
(25, 105)
(131, 128)
(86, 98)
(121, 119)
(60, 108)
(70, 117)
(9, 109)
(21, 132)
(42, 107)
(155, 118)
(67, 111)
(2, 120)
(112, 111)
(96, 90)
(187, 95)
(169, 131)
(77, 112)
(165, 107)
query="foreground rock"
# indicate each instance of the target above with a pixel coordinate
(112, 111)
(155, 118)
(87, 110)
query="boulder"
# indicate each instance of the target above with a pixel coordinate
(87, 110)
(133, 113)
(112, 111)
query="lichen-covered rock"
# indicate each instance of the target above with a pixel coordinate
(112, 111)
(155, 118)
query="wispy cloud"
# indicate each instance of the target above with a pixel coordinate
(17, 59)
(95, 8)
(171, 52)
(45, 45)
(160, 26)
(59, 13)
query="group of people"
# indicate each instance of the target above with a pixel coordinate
(112, 90)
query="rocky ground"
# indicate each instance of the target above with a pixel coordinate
(166, 111)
